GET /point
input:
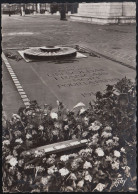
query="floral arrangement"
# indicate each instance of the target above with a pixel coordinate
(104, 165)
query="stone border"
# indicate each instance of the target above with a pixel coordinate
(16, 82)
(103, 20)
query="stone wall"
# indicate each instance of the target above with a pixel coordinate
(129, 9)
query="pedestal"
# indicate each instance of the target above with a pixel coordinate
(106, 13)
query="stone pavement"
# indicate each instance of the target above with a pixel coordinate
(19, 32)
(118, 41)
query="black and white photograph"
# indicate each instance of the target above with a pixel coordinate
(68, 96)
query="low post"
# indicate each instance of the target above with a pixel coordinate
(69, 12)
(57, 13)
(22, 11)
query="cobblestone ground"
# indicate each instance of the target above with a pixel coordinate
(117, 41)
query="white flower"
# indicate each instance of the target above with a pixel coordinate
(87, 165)
(88, 178)
(66, 127)
(39, 169)
(38, 153)
(99, 152)
(109, 158)
(117, 154)
(13, 161)
(52, 169)
(94, 139)
(68, 189)
(64, 158)
(82, 110)
(95, 136)
(86, 119)
(57, 125)
(95, 126)
(6, 142)
(41, 128)
(29, 166)
(29, 112)
(55, 132)
(73, 155)
(116, 138)
(97, 163)
(44, 180)
(54, 115)
(73, 176)
(28, 136)
(85, 133)
(8, 157)
(85, 152)
(80, 104)
(106, 135)
(63, 171)
(126, 170)
(15, 116)
(31, 126)
(19, 140)
(108, 128)
(84, 173)
(80, 183)
(28, 153)
(109, 142)
(123, 150)
(119, 175)
(58, 103)
(115, 165)
(50, 160)
(100, 187)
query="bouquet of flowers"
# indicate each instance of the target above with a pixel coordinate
(103, 165)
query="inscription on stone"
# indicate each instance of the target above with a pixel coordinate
(74, 77)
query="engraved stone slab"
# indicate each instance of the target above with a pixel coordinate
(70, 81)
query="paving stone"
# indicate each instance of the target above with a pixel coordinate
(23, 96)
(21, 93)
(25, 100)
(26, 103)
(19, 87)
(17, 84)
(20, 90)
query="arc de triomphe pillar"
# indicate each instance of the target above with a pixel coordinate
(106, 13)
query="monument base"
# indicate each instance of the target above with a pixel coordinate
(47, 13)
(106, 13)
(103, 20)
